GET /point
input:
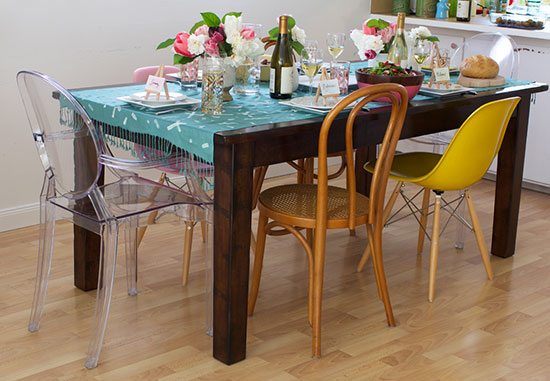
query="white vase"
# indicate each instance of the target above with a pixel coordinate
(229, 73)
(380, 57)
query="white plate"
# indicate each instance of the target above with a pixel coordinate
(307, 102)
(186, 101)
(454, 88)
(153, 101)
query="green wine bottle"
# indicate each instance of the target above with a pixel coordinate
(280, 75)
(398, 52)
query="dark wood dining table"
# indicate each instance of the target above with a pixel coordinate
(238, 152)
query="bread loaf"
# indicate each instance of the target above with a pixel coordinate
(479, 67)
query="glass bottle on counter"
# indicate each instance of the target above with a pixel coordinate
(463, 10)
(398, 52)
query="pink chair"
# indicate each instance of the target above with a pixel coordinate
(176, 168)
(142, 73)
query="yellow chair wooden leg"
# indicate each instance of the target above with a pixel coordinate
(203, 231)
(187, 251)
(423, 221)
(387, 211)
(252, 242)
(152, 215)
(258, 263)
(434, 249)
(479, 236)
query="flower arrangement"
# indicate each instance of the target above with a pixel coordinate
(297, 35)
(374, 38)
(422, 33)
(215, 37)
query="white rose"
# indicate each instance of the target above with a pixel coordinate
(249, 48)
(420, 32)
(195, 45)
(299, 35)
(233, 27)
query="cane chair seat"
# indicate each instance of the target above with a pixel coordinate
(287, 203)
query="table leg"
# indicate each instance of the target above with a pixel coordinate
(232, 214)
(508, 186)
(87, 245)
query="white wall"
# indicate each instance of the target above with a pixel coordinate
(87, 43)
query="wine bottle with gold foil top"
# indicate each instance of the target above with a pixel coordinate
(280, 76)
(398, 52)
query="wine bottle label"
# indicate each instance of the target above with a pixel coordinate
(272, 80)
(286, 80)
(462, 9)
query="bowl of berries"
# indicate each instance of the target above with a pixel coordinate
(387, 72)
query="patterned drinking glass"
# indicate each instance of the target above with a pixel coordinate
(212, 85)
(189, 75)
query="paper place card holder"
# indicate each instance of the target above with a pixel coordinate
(440, 74)
(328, 88)
(155, 84)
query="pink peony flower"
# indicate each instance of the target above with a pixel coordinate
(217, 37)
(211, 47)
(370, 54)
(248, 34)
(388, 32)
(180, 45)
(203, 29)
(368, 30)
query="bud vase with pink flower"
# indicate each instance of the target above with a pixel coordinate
(374, 40)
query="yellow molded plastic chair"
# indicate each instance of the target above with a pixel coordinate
(465, 161)
(323, 207)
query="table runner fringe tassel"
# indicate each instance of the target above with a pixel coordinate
(150, 148)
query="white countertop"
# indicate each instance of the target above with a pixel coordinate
(477, 24)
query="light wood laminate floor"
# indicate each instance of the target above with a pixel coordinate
(475, 329)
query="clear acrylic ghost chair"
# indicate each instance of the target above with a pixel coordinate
(73, 155)
(505, 52)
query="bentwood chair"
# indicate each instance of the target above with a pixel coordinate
(74, 154)
(463, 164)
(323, 207)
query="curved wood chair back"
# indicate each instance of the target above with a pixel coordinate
(399, 100)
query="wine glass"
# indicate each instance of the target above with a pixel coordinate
(421, 51)
(335, 44)
(311, 60)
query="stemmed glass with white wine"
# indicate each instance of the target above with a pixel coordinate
(311, 61)
(335, 44)
(421, 51)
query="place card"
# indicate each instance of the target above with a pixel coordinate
(329, 87)
(441, 74)
(154, 84)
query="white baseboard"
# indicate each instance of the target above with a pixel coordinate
(19, 217)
